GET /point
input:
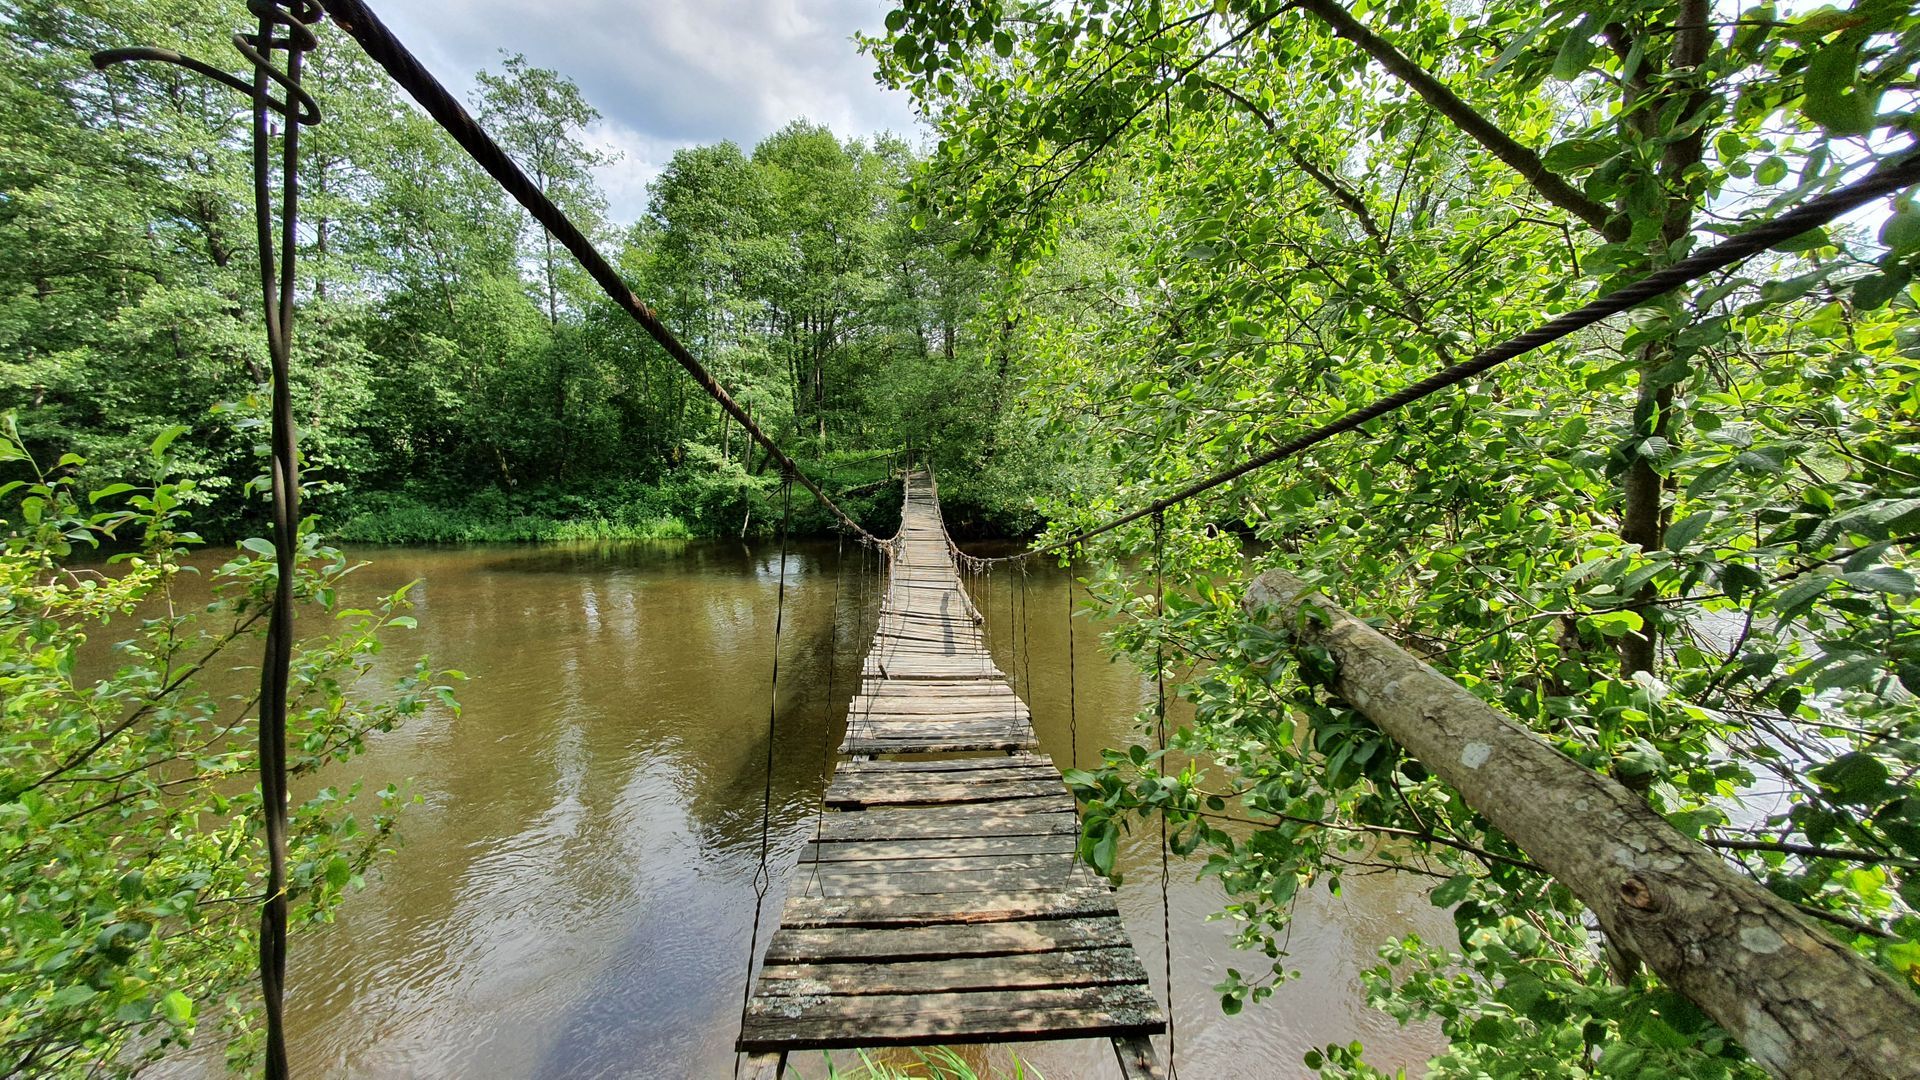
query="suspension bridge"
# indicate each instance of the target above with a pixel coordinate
(941, 902)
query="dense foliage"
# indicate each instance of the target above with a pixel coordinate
(1678, 546)
(131, 864)
(458, 377)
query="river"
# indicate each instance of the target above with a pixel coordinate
(574, 893)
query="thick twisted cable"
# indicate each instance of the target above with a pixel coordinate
(1890, 178)
(299, 38)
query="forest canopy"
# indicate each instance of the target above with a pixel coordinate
(459, 377)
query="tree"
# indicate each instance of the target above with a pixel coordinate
(1678, 546)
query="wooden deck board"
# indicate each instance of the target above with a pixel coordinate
(940, 901)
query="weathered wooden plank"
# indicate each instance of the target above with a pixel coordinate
(885, 688)
(1078, 901)
(944, 794)
(891, 645)
(859, 784)
(1014, 761)
(794, 946)
(931, 823)
(986, 1016)
(898, 723)
(828, 880)
(909, 669)
(1017, 772)
(953, 745)
(960, 623)
(1030, 971)
(768, 1066)
(1028, 864)
(984, 688)
(930, 726)
(956, 847)
(931, 656)
(909, 705)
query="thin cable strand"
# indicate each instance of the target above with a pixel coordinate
(1160, 727)
(763, 878)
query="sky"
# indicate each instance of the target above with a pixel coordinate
(667, 74)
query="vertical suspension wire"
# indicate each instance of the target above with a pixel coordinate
(826, 705)
(763, 877)
(1160, 732)
(1026, 629)
(1013, 655)
(1073, 708)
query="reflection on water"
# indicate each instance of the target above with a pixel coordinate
(574, 896)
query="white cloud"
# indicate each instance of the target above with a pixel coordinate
(673, 73)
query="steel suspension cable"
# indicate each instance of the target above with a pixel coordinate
(379, 42)
(1812, 214)
(763, 877)
(1160, 729)
(1073, 717)
(826, 705)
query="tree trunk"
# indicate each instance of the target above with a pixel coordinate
(1644, 513)
(1802, 1003)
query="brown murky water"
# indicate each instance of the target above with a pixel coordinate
(574, 897)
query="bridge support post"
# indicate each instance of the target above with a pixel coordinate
(1137, 1059)
(766, 1066)
(1802, 1003)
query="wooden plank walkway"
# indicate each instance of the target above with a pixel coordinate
(940, 901)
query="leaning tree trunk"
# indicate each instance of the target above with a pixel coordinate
(1802, 1003)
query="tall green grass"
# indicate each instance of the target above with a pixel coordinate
(695, 501)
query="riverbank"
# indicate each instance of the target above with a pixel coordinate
(685, 504)
(694, 502)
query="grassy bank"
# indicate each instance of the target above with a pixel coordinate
(692, 502)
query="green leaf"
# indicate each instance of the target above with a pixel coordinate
(1806, 241)
(1771, 171)
(1833, 101)
(1874, 290)
(68, 996)
(1574, 155)
(1686, 530)
(1452, 891)
(158, 448)
(1800, 594)
(1616, 623)
(1884, 579)
(1576, 51)
(177, 1008)
(1103, 851)
(1901, 232)
(1853, 778)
